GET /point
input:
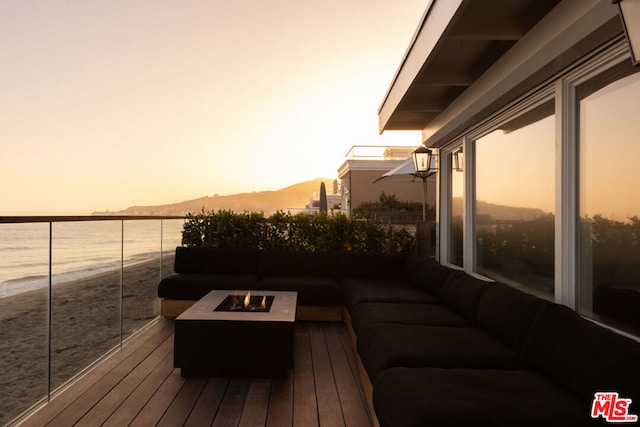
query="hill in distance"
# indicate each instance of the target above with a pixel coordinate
(294, 197)
(490, 212)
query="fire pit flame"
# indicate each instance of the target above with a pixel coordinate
(239, 302)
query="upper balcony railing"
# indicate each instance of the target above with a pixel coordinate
(73, 289)
(376, 152)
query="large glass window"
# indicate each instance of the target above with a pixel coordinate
(609, 146)
(515, 201)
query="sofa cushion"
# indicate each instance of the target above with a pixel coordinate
(209, 260)
(583, 356)
(375, 266)
(386, 345)
(404, 397)
(406, 313)
(357, 290)
(195, 286)
(507, 313)
(461, 292)
(272, 263)
(426, 274)
(311, 290)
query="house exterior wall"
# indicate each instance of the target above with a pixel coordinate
(363, 189)
(564, 83)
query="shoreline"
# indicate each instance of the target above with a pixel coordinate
(85, 324)
(20, 285)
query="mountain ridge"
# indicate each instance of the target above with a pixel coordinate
(292, 197)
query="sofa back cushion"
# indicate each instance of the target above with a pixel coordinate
(319, 264)
(426, 274)
(374, 266)
(508, 313)
(581, 355)
(209, 260)
(461, 293)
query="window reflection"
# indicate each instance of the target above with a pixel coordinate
(514, 204)
(609, 281)
(455, 221)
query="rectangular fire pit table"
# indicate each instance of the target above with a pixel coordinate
(212, 343)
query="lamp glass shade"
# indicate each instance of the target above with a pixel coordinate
(630, 14)
(458, 161)
(422, 160)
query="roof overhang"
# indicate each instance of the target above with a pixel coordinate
(468, 57)
(367, 165)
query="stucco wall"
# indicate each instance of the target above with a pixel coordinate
(363, 189)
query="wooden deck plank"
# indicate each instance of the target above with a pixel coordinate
(134, 403)
(347, 381)
(232, 404)
(349, 349)
(257, 404)
(160, 401)
(281, 402)
(153, 336)
(207, 405)
(72, 414)
(305, 407)
(181, 407)
(139, 386)
(118, 394)
(329, 412)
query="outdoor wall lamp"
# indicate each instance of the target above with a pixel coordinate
(422, 161)
(630, 15)
(458, 160)
(422, 165)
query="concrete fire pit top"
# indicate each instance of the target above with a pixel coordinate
(283, 308)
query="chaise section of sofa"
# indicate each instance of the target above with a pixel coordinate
(457, 397)
(569, 359)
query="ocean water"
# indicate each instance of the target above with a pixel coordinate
(78, 249)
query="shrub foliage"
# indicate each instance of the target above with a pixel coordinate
(389, 203)
(284, 231)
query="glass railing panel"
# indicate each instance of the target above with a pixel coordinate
(103, 274)
(24, 317)
(141, 273)
(85, 305)
(171, 238)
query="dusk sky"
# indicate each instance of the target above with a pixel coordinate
(108, 104)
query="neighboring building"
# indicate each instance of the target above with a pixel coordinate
(542, 99)
(334, 203)
(365, 163)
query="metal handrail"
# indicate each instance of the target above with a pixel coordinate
(76, 218)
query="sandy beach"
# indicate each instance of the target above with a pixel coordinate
(85, 320)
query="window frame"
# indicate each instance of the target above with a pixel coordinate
(562, 89)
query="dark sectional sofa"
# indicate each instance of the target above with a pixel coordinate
(436, 346)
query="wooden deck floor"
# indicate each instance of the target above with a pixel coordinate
(138, 386)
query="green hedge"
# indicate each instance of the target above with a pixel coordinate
(298, 233)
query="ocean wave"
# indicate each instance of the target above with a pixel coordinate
(26, 278)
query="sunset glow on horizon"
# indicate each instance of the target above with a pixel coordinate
(104, 105)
